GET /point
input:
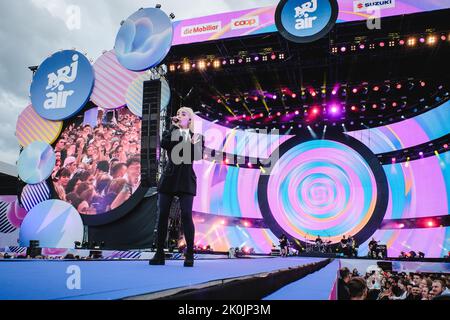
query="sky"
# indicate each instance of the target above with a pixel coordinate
(31, 30)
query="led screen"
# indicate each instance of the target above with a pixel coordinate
(98, 160)
(423, 128)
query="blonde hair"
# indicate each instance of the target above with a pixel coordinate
(191, 116)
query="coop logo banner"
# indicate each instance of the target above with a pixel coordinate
(305, 21)
(62, 85)
(200, 29)
(249, 22)
(367, 5)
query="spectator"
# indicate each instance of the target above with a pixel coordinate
(357, 289)
(344, 279)
(439, 288)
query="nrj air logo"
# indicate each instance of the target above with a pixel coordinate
(302, 15)
(57, 97)
(62, 85)
(304, 21)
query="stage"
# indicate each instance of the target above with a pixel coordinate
(111, 280)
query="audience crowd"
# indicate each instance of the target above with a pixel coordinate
(387, 285)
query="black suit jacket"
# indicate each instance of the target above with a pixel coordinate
(179, 177)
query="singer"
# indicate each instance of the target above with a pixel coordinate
(178, 179)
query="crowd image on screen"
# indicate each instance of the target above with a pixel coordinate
(98, 165)
(390, 285)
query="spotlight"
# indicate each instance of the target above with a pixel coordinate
(186, 66)
(256, 58)
(382, 44)
(431, 40)
(273, 56)
(401, 42)
(401, 225)
(393, 160)
(353, 108)
(172, 68)
(297, 112)
(430, 224)
(445, 146)
(443, 37)
(294, 96)
(411, 42)
(216, 64)
(421, 39)
(423, 83)
(355, 90)
(421, 154)
(376, 88)
(343, 49)
(398, 86)
(202, 64)
(362, 46)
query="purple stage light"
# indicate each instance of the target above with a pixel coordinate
(334, 109)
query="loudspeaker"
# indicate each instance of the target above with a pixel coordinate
(385, 265)
(150, 150)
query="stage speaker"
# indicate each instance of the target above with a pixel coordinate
(33, 250)
(151, 109)
(385, 265)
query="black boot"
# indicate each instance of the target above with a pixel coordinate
(189, 260)
(158, 259)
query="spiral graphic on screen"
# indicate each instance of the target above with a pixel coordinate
(322, 187)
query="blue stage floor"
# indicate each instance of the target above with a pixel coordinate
(47, 280)
(315, 286)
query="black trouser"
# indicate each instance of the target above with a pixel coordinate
(165, 201)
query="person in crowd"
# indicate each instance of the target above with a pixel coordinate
(439, 288)
(344, 278)
(357, 289)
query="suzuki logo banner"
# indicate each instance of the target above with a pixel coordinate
(304, 21)
(62, 85)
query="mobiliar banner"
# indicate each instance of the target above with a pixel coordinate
(262, 20)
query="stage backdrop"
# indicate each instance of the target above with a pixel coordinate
(331, 187)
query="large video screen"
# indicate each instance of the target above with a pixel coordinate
(98, 164)
(419, 188)
(428, 126)
(328, 188)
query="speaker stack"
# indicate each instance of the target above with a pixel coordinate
(151, 110)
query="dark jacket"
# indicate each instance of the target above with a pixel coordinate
(179, 177)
